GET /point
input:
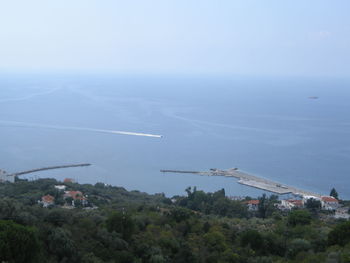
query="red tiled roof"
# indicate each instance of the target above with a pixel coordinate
(329, 199)
(252, 202)
(48, 199)
(75, 195)
(296, 202)
(68, 180)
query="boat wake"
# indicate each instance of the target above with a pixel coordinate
(57, 127)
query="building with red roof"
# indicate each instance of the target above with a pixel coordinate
(75, 195)
(329, 199)
(47, 200)
(252, 204)
(329, 202)
(287, 205)
(69, 180)
(296, 203)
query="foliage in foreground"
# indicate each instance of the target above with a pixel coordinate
(136, 227)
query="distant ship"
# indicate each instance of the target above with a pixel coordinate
(313, 97)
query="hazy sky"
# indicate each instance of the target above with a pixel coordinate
(253, 37)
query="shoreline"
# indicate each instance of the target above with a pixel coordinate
(253, 181)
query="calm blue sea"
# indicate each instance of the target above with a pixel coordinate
(265, 126)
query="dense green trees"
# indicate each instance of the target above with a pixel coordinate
(212, 203)
(253, 239)
(266, 205)
(136, 227)
(334, 193)
(18, 243)
(120, 222)
(340, 235)
(299, 217)
(61, 244)
(313, 205)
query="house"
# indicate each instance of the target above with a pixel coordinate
(236, 198)
(329, 203)
(60, 187)
(252, 205)
(73, 194)
(342, 212)
(285, 205)
(76, 195)
(296, 203)
(69, 180)
(290, 204)
(5, 177)
(309, 199)
(47, 200)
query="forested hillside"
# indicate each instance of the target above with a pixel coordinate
(102, 223)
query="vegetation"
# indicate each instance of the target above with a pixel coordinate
(334, 193)
(130, 226)
(18, 243)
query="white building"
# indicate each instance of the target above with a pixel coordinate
(290, 204)
(5, 177)
(47, 201)
(60, 187)
(76, 195)
(329, 203)
(253, 205)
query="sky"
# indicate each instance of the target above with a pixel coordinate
(244, 37)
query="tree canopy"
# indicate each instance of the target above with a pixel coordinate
(130, 226)
(18, 243)
(334, 193)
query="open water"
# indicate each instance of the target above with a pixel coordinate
(268, 127)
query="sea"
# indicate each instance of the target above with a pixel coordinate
(293, 130)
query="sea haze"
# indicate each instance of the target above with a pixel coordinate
(267, 127)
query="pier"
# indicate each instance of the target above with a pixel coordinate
(252, 181)
(50, 168)
(5, 177)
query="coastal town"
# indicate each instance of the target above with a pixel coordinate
(301, 198)
(325, 203)
(68, 197)
(85, 213)
(72, 198)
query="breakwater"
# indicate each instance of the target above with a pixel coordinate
(49, 168)
(252, 181)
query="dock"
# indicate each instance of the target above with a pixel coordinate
(5, 177)
(50, 168)
(252, 181)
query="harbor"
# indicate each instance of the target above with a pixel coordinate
(252, 181)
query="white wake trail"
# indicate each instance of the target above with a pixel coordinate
(56, 127)
(30, 96)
